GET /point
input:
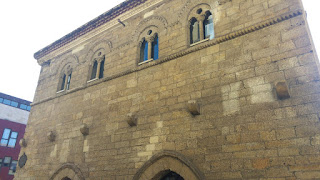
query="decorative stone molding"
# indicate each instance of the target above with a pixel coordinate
(84, 129)
(192, 49)
(161, 162)
(23, 142)
(156, 23)
(193, 107)
(22, 160)
(51, 136)
(282, 90)
(132, 119)
(64, 171)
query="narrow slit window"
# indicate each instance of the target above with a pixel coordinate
(94, 70)
(63, 82)
(155, 48)
(101, 69)
(144, 51)
(208, 26)
(194, 31)
(68, 81)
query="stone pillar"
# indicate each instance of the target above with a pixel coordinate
(98, 68)
(149, 40)
(201, 28)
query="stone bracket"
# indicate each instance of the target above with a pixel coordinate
(193, 107)
(23, 142)
(51, 136)
(84, 129)
(132, 119)
(282, 90)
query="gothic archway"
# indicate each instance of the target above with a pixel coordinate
(166, 165)
(67, 171)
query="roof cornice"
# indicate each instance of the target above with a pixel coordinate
(88, 27)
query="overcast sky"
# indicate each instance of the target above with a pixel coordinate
(29, 25)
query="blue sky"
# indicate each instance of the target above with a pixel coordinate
(28, 26)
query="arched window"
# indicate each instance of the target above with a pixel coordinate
(194, 31)
(94, 70)
(201, 26)
(208, 26)
(97, 69)
(155, 48)
(149, 47)
(144, 51)
(65, 80)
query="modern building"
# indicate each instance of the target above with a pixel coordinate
(14, 113)
(179, 89)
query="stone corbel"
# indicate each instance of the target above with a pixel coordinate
(51, 136)
(282, 90)
(84, 129)
(193, 107)
(132, 119)
(23, 142)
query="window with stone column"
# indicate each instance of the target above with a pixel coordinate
(149, 47)
(97, 67)
(65, 79)
(201, 26)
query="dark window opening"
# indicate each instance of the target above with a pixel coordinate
(172, 176)
(101, 70)
(155, 48)
(194, 31)
(144, 51)
(13, 167)
(6, 161)
(94, 70)
(63, 82)
(66, 178)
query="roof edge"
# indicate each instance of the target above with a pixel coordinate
(88, 27)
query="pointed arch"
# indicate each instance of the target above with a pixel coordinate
(67, 170)
(166, 161)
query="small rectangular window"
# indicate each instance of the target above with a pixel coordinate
(6, 101)
(14, 104)
(6, 161)
(13, 167)
(23, 106)
(29, 108)
(1, 100)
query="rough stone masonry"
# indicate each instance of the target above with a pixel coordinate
(242, 105)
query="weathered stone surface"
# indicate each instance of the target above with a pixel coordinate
(243, 131)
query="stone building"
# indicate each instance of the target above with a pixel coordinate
(179, 89)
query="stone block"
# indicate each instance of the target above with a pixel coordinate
(193, 107)
(84, 129)
(282, 90)
(51, 136)
(132, 120)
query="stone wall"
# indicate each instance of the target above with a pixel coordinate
(244, 131)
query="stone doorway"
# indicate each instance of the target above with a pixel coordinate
(170, 175)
